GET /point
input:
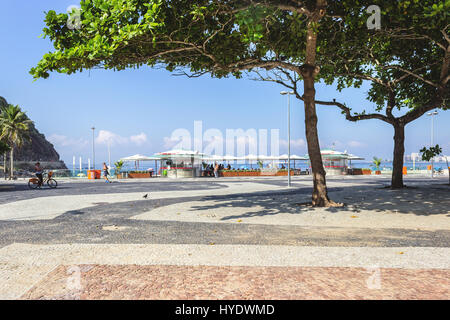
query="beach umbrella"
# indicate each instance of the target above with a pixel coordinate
(139, 157)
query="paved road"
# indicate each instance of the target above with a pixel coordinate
(88, 225)
(109, 224)
(19, 190)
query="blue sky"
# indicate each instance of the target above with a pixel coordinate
(140, 109)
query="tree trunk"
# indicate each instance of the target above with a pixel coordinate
(4, 164)
(320, 193)
(448, 169)
(309, 72)
(11, 173)
(399, 152)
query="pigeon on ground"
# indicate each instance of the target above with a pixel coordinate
(146, 196)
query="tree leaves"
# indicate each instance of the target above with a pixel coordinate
(14, 125)
(227, 38)
(430, 153)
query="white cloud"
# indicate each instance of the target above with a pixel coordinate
(139, 139)
(295, 143)
(356, 144)
(169, 142)
(102, 139)
(180, 139)
(105, 136)
(64, 141)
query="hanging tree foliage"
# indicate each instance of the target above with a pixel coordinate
(289, 38)
(406, 64)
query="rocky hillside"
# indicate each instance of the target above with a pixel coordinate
(37, 149)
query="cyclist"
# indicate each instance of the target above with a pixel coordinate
(38, 172)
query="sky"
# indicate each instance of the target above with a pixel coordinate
(137, 110)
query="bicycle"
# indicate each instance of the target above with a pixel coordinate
(33, 183)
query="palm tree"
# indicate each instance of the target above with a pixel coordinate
(377, 163)
(118, 165)
(3, 102)
(4, 148)
(14, 129)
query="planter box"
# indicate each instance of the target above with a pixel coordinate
(356, 172)
(284, 173)
(247, 173)
(139, 175)
(229, 174)
(240, 173)
(366, 171)
(269, 172)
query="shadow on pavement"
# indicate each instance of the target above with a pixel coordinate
(423, 201)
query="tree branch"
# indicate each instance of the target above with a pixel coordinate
(357, 117)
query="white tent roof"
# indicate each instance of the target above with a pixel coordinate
(180, 154)
(353, 157)
(253, 157)
(333, 154)
(293, 157)
(222, 158)
(296, 157)
(139, 157)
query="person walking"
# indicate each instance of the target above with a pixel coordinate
(216, 170)
(106, 172)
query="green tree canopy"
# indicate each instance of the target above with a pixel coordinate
(406, 64)
(431, 152)
(3, 102)
(219, 37)
(4, 148)
(290, 38)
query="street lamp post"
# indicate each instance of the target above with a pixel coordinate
(93, 147)
(289, 133)
(432, 114)
(109, 153)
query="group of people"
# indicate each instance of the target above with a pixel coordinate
(212, 170)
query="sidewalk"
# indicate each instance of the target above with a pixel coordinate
(222, 272)
(239, 240)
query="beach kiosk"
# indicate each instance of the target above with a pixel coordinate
(180, 163)
(137, 158)
(336, 162)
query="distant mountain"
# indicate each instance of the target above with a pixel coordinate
(38, 148)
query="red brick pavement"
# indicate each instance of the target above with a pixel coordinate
(242, 283)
